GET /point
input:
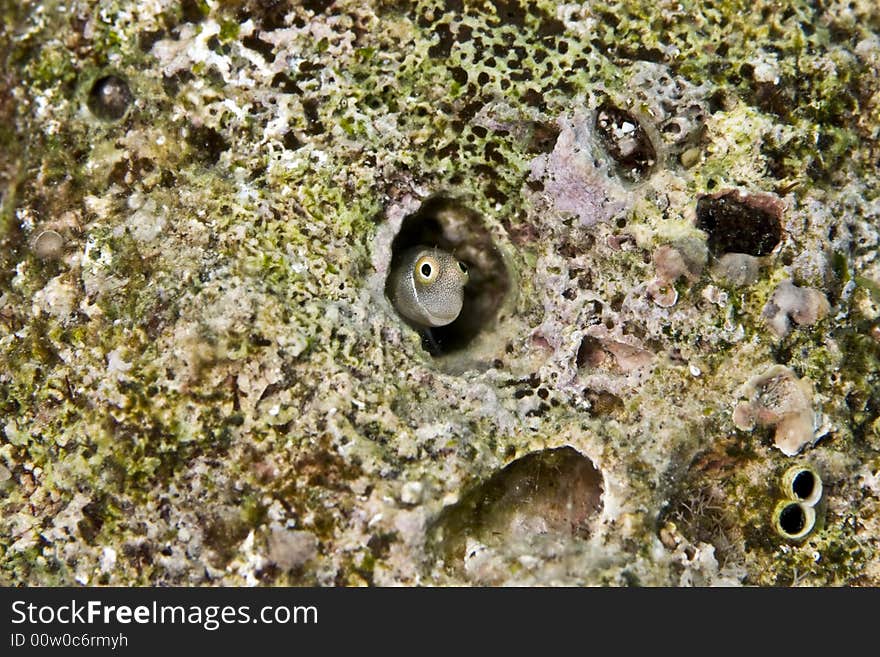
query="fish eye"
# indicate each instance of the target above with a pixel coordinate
(463, 267)
(426, 269)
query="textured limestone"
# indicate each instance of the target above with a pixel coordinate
(203, 382)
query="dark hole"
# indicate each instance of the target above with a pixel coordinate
(285, 84)
(543, 137)
(589, 351)
(207, 143)
(92, 521)
(803, 484)
(625, 141)
(290, 141)
(533, 98)
(193, 11)
(550, 27)
(317, 6)
(148, 38)
(267, 50)
(463, 267)
(272, 14)
(459, 75)
(448, 224)
(215, 45)
(172, 84)
(313, 118)
(737, 223)
(109, 98)
(445, 41)
(782, 354)
(792, 519)
(426, 270)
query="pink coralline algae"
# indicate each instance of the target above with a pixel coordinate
(576, 176)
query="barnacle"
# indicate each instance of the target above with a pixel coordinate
(796, 515)
(48, 244)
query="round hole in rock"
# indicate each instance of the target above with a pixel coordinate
(448, 224)
(538, 504)
(736, 222)
(109, 98)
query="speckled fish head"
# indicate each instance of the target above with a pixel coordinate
(429, 286)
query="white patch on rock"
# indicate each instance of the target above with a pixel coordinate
(714, 295)
(108, 560)
(57, 298)
(147, 223)
(411, 492)
(249, 562)
(191, 47)
(766, 72)
(116, 366)
(65, 524)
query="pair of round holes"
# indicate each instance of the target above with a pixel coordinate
(795, 517)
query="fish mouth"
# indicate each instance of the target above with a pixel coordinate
(442, 319)
(446, 315)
